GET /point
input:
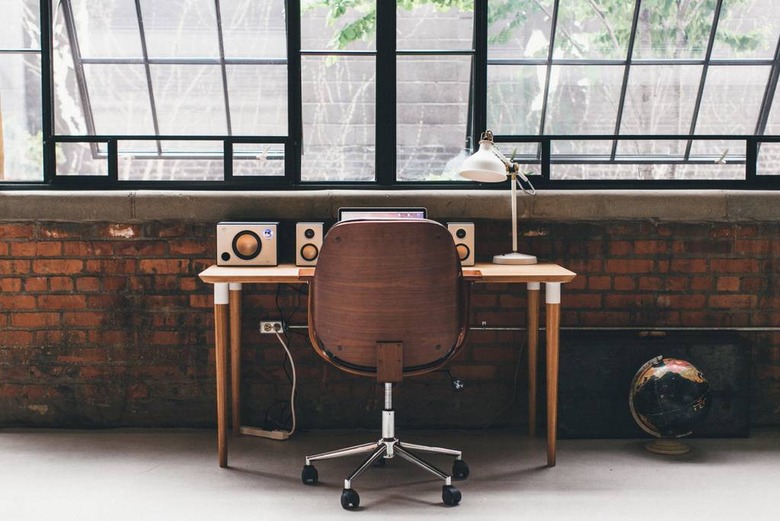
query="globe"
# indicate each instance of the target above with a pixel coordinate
(668, 398)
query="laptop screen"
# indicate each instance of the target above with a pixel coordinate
(346, 214)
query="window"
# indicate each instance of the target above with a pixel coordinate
(268, 93)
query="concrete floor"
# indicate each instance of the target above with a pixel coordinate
(147, 475)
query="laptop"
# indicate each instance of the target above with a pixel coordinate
(351, 213)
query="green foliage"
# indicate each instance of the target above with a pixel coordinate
(603, 26)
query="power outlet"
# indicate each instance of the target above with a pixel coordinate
(271, 326)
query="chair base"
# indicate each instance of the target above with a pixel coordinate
(388, 448)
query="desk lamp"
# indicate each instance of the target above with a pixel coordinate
(489, 165)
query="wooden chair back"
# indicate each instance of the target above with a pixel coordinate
(388, 282)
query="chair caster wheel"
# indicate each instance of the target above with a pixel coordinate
(309, 475)
(460, 470)
(450, 495)
(349, 499)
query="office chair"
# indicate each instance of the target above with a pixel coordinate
(388, 300)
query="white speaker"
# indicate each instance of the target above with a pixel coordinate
(308, 241)
(246, 244)
(463, 235)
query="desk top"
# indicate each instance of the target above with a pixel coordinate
(481, 272)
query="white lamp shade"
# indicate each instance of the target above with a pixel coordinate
(483, 165)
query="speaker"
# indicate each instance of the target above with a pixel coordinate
(308, 241)
(463, 235)
(246, 244)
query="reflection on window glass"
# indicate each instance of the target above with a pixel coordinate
(519, 33)
(180, 28)
(432, 115)
(420, 26)
(593, 30)
(747, 29)
(20, 118)
(647, 172)
(258, 99)
(515, 98)
(330, 24)
(584, 100)
(768, 159)
(119, 99)
(253, 29)
(19, 24)
(179, 161)
(731, 101)
(339, 98)
(189, 99)
(258, 159)
(673, 29)
(660, 99)
(80, 159)
(105, 28)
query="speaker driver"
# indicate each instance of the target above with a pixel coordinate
(247, 245)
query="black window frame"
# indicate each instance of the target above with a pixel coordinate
(386, 172)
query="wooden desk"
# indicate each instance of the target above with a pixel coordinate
(228, 282)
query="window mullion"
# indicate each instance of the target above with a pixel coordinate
(148, 72)
(294, 145)
(626, 72)
(386, 127)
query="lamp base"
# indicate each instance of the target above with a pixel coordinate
(514, 258)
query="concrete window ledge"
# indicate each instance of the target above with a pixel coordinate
(554, 205)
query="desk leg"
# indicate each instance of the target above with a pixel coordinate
(533, 344)
(235, 354)
(553, 301)
(221, 312)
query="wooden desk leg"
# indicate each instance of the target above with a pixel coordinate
(235, 354)
(533, 345)
(552, 325)
(221, 317)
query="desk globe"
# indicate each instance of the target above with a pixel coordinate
(668, 397)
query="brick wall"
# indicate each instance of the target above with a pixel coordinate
(107, 324)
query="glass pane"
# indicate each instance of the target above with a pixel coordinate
(718, 151)
(258, 99)
(514, 98)
(580, 149)
(21, 141)
(660, 99)
(773, 123)
(645, 172)
(339, 99)
(585, 32)
(421, 26)
(106, 28)
(181, 161)
(747, 29)
(526, 153)
(657, 149)
(182, 28)
(80, 159)
(583, 100)
(432, 118)
(252, 29)
(519, 33)
(338, 25)
(68, 112)
(732, 99)
(19, 25)
(673, 29)
(258, 159)
(768, 159)
(189, 99)
(119, 99)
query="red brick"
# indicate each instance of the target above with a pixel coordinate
(650, 283)
(82, 319)
(691, 301)
(10, 285)
(732, 301)
(727, 284)
(700, 283)
(17, 231)
(752, 247)
(87, 284)
(650, 247)
(164, 266)
(189, 246)
(141, 249)
(620, 248)
(598, 282)
(60, 266)
(624, 283)
(12, 302)
(123, 231)
(688, 266)
(11, 337)
(61, 284)
(61, 301)
(36, 284)
(35, 319)
(734, 265)
(629, 266)
(14, 266)
(583, 300)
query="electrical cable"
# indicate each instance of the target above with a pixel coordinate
(294, 382)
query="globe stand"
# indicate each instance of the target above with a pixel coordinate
(668, 447)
